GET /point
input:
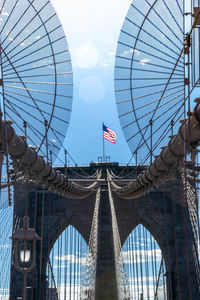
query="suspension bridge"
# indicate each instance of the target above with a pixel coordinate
(102, 231)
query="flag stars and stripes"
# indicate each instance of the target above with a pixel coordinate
(109, 134)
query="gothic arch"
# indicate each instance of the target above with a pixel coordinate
(144, 264)
(67, 259)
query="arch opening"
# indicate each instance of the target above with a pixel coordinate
(144, 266)
(67, 267)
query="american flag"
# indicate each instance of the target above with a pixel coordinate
(109, 134)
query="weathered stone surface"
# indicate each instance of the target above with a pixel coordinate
(163, 212)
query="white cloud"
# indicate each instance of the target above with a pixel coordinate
(127, 52)
(105, 64)
(75, 290)
(124, 53)
(71, 258)
(94, 25)
(108, 59)
(137, 256)
(144, 61)
(72, 292)
(4, 294)
(5, 13)
(146, 288)
(4, 297)
(85, 56)
(111, 54)
(137, 52)
(5, 246)
(66, 290)
(93, 16)
(53, 140)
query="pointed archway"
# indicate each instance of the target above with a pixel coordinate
(144, 266)
(68, 267)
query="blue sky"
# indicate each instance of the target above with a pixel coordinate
(92, 29)
(134, 252)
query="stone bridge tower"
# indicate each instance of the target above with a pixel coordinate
(164, 212)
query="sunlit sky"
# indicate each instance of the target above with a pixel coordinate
(92, 29)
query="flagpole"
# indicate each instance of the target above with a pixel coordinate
(103, 145)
